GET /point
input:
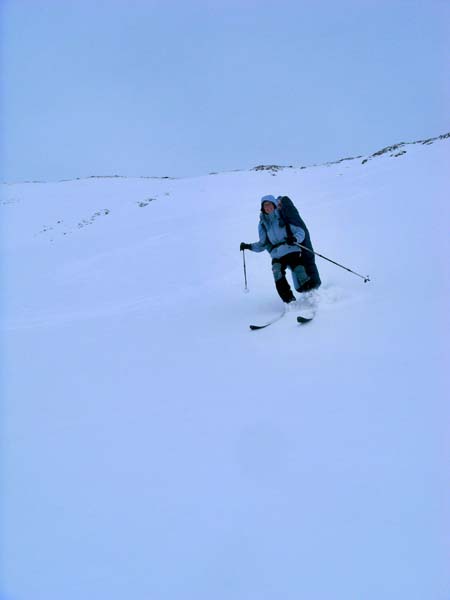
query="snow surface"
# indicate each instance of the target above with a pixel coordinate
(155, 448)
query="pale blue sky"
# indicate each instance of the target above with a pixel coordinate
(172, 88)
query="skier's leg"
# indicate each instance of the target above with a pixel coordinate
(281, 283)
(309, 263)
(313, 273)
(300, 277)
(299, 274)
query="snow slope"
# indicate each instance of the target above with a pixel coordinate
(155, 448)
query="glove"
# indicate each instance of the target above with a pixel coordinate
(245, 246)
(291, 240)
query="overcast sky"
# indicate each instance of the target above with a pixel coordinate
(182, 88)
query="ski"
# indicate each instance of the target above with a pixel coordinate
(274, 320)
(300, 319)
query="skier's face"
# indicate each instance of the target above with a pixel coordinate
(268, 207)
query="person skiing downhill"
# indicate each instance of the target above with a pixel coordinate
(280, 238)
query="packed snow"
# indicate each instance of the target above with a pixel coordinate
(156, 448)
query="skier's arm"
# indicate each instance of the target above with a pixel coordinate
(298, 233)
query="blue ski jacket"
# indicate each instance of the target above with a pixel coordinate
(273, 234)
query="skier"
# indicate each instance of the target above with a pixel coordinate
(279, 238)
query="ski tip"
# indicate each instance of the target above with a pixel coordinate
(303, 320)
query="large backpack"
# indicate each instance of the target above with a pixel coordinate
(290, 216)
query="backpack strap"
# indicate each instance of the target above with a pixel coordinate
(288, 229)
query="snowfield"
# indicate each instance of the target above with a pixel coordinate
(154, 448)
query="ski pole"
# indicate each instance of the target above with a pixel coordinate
(366, 278)
(245, 271)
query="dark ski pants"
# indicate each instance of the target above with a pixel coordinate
(293, 261)
(309, 262)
